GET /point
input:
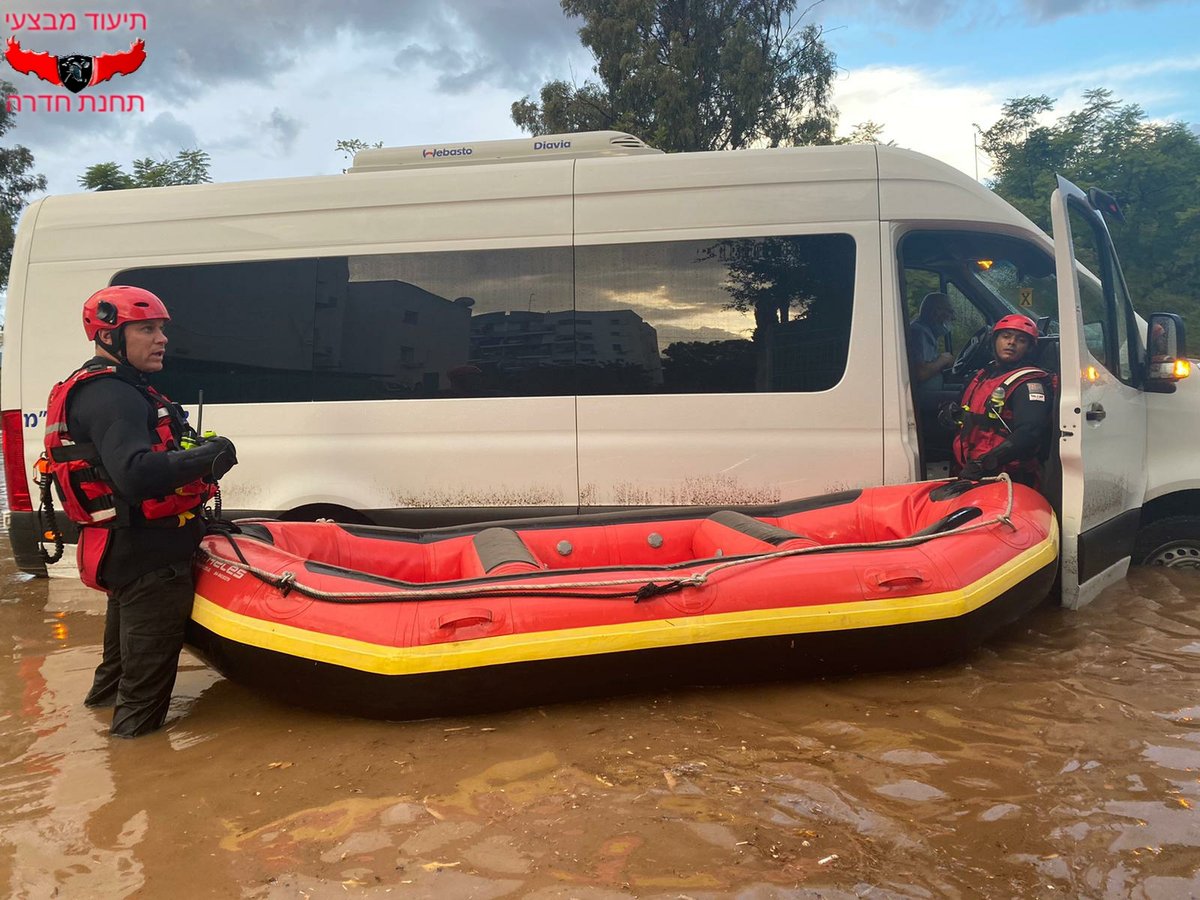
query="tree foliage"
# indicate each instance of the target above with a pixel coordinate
(188, 167)
(1152, 168)
(694, 75)
(350, 146)
(868, 132)
(16, 183)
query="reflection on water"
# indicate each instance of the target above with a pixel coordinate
(1062, 760)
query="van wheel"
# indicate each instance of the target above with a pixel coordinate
(1172, 542)
(314, 511)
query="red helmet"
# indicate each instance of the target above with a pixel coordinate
(1019, 323)
(112, 307)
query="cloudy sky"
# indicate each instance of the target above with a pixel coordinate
(268, 87)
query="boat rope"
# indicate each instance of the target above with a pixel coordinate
(646, 589)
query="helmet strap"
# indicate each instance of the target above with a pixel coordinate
(117, 348)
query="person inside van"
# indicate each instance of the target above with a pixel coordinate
(927, 362)
(1004, 417)
(115, 447)
(925, 335)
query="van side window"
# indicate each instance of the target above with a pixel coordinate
(740, 315)
(716, 316)
(241, 332)
(481, 323)
(387, 326)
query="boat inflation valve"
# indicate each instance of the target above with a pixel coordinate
(654, 539)
(564, 548)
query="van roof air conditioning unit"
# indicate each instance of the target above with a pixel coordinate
(550, 146)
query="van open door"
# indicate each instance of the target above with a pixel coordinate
(1102, 408)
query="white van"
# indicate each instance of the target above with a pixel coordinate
(581, 323)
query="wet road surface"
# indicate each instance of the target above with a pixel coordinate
(1063, 759)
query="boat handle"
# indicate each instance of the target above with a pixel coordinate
(465, 617)
(899, 578)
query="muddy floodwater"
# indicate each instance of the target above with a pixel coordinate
(1062, 760)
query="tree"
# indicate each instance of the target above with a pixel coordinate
(1152, 168)
(16, 183)
(350, 146)
(188, 167)
(868, 132)
(694, 75)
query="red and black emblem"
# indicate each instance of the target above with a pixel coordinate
(75, 72)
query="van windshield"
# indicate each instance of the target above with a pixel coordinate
(1029, 294)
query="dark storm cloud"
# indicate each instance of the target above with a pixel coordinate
(165, 135)
(195, 47)
(283, 129)
(933, 14)
(1049, 10)
(512, 45)
(219, 47)
(916, 13)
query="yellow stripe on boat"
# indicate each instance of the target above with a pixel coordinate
(625, 636)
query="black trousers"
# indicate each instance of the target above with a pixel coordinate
(143, 635)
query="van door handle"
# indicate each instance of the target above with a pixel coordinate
(1096, 413)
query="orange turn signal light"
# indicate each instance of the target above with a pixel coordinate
(1183, 368)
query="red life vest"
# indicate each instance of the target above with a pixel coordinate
(987, 419)
(87, 493)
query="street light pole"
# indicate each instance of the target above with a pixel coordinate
(976, 132)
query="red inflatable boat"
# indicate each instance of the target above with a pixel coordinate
(402, 624)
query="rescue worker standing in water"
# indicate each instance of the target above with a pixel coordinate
(113, 445)
(1004, 418)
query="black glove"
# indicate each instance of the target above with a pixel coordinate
(950, 415)
(225, 458)
(972, 471)
(983, 467)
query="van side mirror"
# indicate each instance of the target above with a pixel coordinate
(1166, 353)
(1105, 203)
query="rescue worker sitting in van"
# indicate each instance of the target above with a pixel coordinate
(1004, 418)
